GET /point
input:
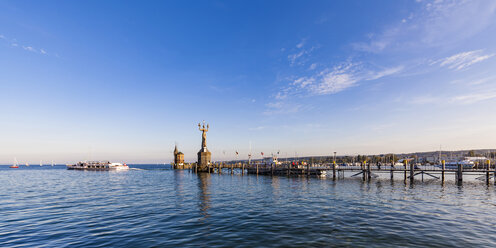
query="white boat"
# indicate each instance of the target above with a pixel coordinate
(27, 164)
(97, 165)
(466, 164)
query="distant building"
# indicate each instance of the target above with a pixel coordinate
(178, 158)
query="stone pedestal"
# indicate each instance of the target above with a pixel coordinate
(204, 160)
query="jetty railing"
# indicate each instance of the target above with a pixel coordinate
(408, 171)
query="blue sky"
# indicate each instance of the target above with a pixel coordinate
(126, 80)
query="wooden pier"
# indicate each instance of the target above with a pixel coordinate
(367, 171)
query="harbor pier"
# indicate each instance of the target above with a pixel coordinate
(368, 171)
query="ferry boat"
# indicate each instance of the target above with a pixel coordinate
(97, 165)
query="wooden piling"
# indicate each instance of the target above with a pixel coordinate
(404, 165)
(334, 170)
(369, 173)
(443, 168)
(392, 171)
(412, 170)
(494, 174)
(257, 168)
(487, 171)
(364, 172)
(460, 173)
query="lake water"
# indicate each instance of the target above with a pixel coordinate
(157, 207)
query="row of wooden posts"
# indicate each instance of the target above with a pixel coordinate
(365, 170)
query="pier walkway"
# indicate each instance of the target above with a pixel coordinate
(366, 170)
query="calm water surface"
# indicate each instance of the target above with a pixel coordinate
(54, 207)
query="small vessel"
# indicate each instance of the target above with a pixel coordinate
(52, 163)
(97, 165)
(27, 164)
(15, 165)
(466, 164)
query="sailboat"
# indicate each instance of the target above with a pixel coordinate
(41, 163)
(52, 163)
(15, 165)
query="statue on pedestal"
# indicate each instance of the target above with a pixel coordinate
(204, 134)
(204, 155)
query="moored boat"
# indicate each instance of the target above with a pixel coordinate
(97, 165)
(466, 164)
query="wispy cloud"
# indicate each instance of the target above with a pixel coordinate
(258, 128)
(386, 72)
(467, 98)
(29, 48)
(439, 23)
(334, 80)
(436, 24)
(301, 44)
(473, 98)
(338, 79)
(463, 60)
(281, 107)
(295, 58)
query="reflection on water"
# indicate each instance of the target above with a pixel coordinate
(203, 193)
(157, 208)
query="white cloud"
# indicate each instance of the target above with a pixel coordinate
(385, 72)
(437, 24)
(473, 97)
(332, 81)
(339, 79)
(467, 98)
(296, 57)
(302, 82)
(281, 107)
(463, 60)
(313, 66)
(345, 76)
(29, 48)
(301, 44)
(482, 81)
(293, 57)
(15, 43)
